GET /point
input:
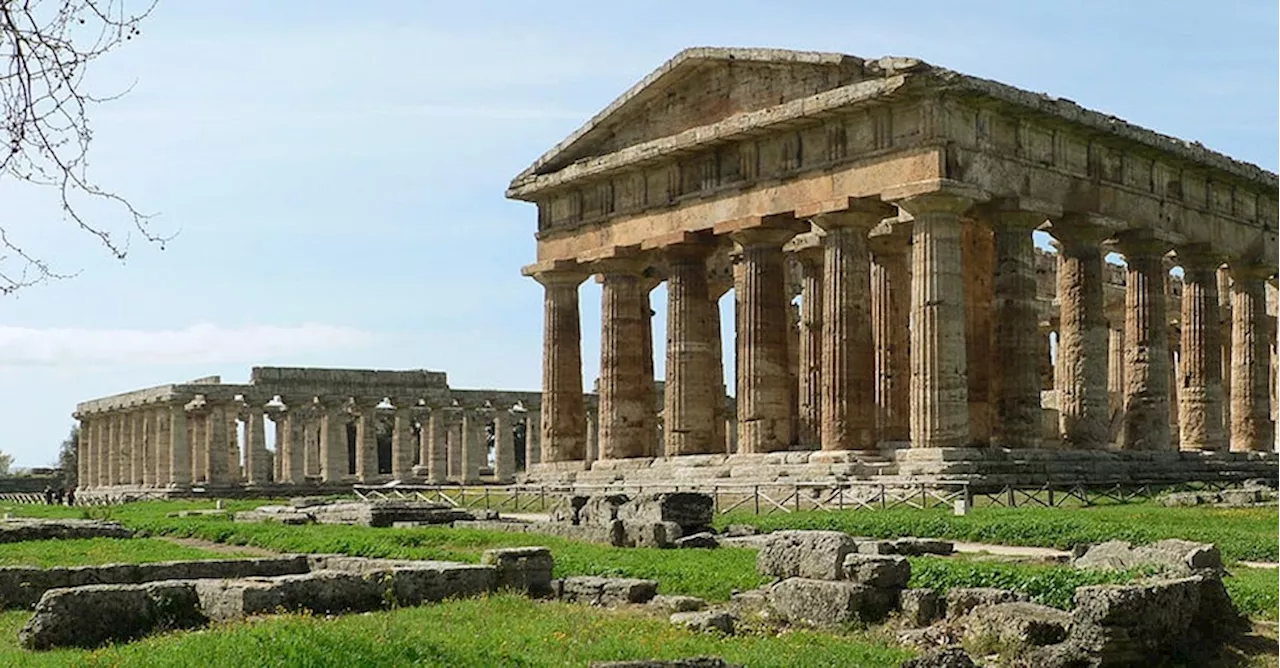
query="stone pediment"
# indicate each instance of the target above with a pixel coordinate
(698, 87)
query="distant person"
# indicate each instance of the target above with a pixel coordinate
(48, 495)
(71, 496)
(58, 495)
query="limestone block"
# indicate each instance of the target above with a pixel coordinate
(919, 607)
(828, 603)
(1017, 623)
(15, 530)
(607, 592)
(963, 599)
(882, 572)
(430, 582)
(650, 534)
(705, 620)
(92, 615)
(806, 554)
(1175, 555)
(677, 603)
(1136, 623)
(693, 511)
(703, 540)
(696, 662)
(614, 534)
(941, 657)
(601, 509)
(524, 569)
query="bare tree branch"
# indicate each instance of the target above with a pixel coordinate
(48, 44)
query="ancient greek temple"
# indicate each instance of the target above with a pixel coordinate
(330, 428)
(876, 222)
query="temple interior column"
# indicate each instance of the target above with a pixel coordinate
(179, 444)
(200, 443)
(1082, 345)
(647, 393)
(625, 406)
(145, 464)
(1251, 427)
(593, 438)
(809, 385)
(1145, 421)
(163, 441)
(1200, 391)
(532, 449)
(719, 282)
(563, 431)
(504, 447)
(939, 376)
(257, 466)
(764, 379)
(402, 439)
(1014, 321)
(977, 251)
(890, 245)
(367, 439)
(280, 472)
(689, 405)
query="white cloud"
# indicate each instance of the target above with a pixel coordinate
(197, 344)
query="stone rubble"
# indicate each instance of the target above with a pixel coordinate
(1172, 555)
(22, 529)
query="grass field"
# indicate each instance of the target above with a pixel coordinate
(83, 551)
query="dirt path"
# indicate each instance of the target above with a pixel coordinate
(221, 548)
(1012, 550)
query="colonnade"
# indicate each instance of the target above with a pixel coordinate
(918, 324)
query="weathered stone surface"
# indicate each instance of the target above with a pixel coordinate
(677, 603)
(15, 530)
(696, 662)
(321, 592)
(942, 657)
(1018, 623)
(914, 547)
(884, 572)
(705, 620)
(92, 615)
(693, 511)
(735, 530)
(920, 607)
(1125, 624)
(605, 591)
(524, 569)
(806, 554)
(1175, 555)
(650, 534)
(702, 539)
(613, 534)
(963, 599)
(752, 542)
(829, 603)
(601, 509)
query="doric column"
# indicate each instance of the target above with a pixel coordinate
(1082, 344)
(115, 445)
(1200, 394)
(367, 438)
(147, 419)
(256, 464)
(437, 446)
(764, 379)
(179, 444)
(809, 387)
(504, 447)
(198, 437)
(689, 405)
(563, 429)
(129, 469)
(939, 376)
(1251, 425)
(593, 437)
(402, 439)
(848, 356)
(293, 469)
(1115, 349)
(334, 465)
(532, 449)
(1225, 320)
(84, 450)
(977, 259)
(648, 396)
(217, 455)
(1016, 342)
(474, 445)
(453, 452)
(890, 244)
(626, 407)
(719, 281)
(106, 460)
(162, 441)
(1145, 422)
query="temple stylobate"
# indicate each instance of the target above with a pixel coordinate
(901, 200)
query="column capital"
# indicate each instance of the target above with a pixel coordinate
(404, 402)
(366, 402)
(294, 402)
(891, 237)
(1246, 269)
(1017, 212)
(1198, 256)
(773, 237)
(1074, 230)
(557, 273)
(331, 402)
(1141, 243)
(934, 195)
(862, 212)
(620, 266)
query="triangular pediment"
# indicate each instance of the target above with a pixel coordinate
(697, 87)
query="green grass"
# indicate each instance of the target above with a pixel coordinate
(1256, 591)
(502, 630)
(1240, 533)
(83, 551)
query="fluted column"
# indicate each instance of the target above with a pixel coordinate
(504, 447)
(718, 283)
(1251, 425)
(84, 450)
(1145, 422)
(199, 428)
(179, 444)
(474, 446)
(1016, 341)
(333, 439)
(593, 437)
(1082, 403)
(647, 393)
(1115, 350)
(147, 419)
(809, 388)
(137, 445)
(161, 443)
(1225, 320)
(563, 430)
(848, 356)
(367, 439)
(437, 446)
(256, 463)
(533, 449)
(939, 376)
(764, 378)
(402, 439)
(625, 406)
(107, 467)
(890, 245)
(294, 467)
(217, 456)
(1200, 394)
(689, 405)
(977, 259)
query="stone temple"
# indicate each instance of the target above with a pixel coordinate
(899, 200)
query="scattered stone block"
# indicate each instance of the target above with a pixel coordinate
(942, 657)
(919, 607)
(92, 615)
(606, 592)
(829, 603)
(601, 509)
(1177, 556)
(738, 530)
(693, 511)
(816, 555)
(963, 599)
(525, 569)
(705, 620)
(1019, 623)
(23, 529)
(884, 572)
(650, 534)
(701, 540)
(677, 603)
(914, 547)
(751, 542)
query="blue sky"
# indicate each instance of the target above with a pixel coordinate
(335, 170)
